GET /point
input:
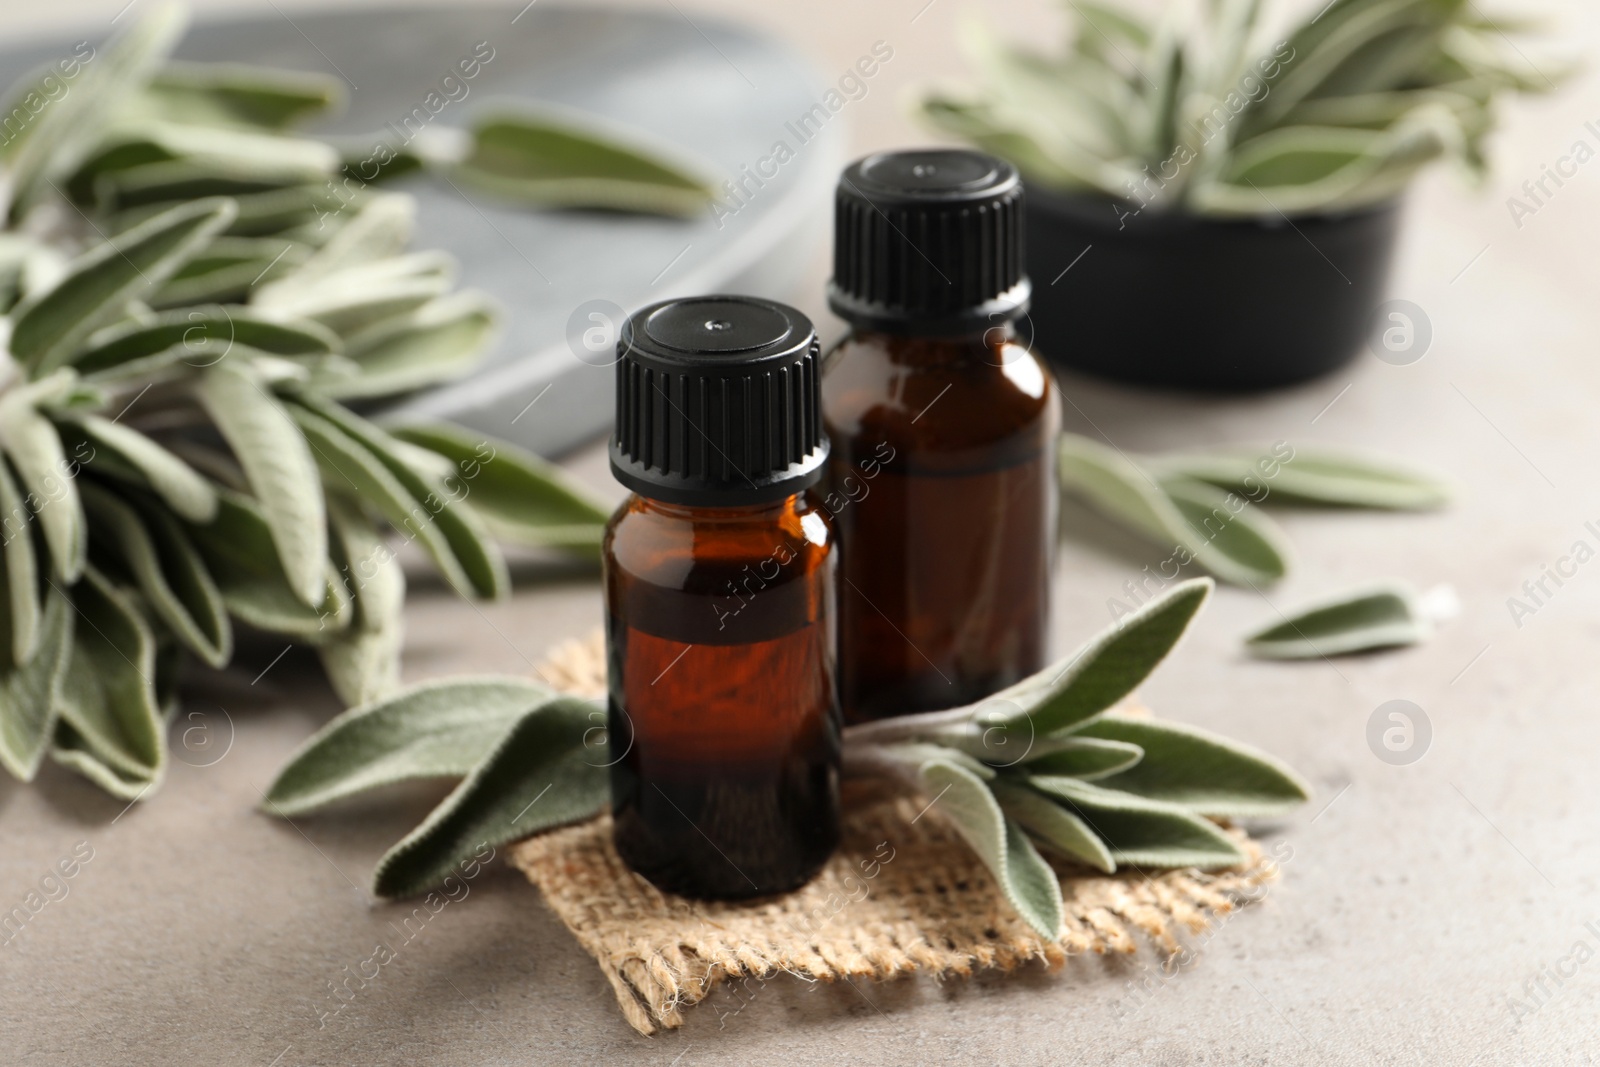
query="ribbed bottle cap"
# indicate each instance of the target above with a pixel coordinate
(928, 242)
(717, 402)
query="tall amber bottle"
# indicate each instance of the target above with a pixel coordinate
(719, 579)
(943, 426)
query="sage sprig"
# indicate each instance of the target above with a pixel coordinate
(1045, 764)
(1218, 109)
(191, 293)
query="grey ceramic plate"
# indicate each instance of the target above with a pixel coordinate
(717, 94)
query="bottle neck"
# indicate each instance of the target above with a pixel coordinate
(978, 345)
(732, 514)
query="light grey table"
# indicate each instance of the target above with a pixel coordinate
(1419, 899)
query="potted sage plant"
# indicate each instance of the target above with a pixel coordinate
(1215, 196)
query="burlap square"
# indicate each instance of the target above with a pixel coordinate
(903, 893)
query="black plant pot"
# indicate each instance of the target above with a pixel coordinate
(1189, 302)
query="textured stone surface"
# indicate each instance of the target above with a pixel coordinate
(1418, 898)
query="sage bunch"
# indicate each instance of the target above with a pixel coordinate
(1047, 764)
(191, 294)
(1220, 109)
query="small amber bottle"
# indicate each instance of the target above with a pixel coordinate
(719, 579)
(943, 426)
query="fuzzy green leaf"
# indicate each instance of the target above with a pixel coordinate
(541, 160)
(348, 464)
(153, 550)
(1225, 526)
(1174, 514)
(278, 463)
(65, 131)
(1207, 774)
(1360, 620)
(204, 336)
(356, 297)
(49, 327)
(1143, 832)
(238, 550)
(523, 498)
(542, 774)
(30, 691)
(1026, 880)
(1052, 825)
(228, 94)
(440, 340)
(21, 616)
(1102, 672)
(136, 459)
(1081, 757)
(1320, 475)
(35, 450)
(438, 729)
(364, 663)
(108, 696)
(454, 535)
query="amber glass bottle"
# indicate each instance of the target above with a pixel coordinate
(719, 578)
(943, 426)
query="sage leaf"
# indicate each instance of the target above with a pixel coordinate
(142, 462)
(30, 691)
(1327, 476)
(279, 466)
(22, 613)
(349, 464)
(1234, 541)
(1099, 674)
(1141, 832)
(363, 664)
(1207, 774)
(1172, 513)
(540, 775)
(228, 269)
(61, 135)
(35, 449)
(524, 499)
(348, 300)
(1026, 880)
(453, 534)
(239, 552)
(1359, 620)
(224, 94)
(48, 327)
(204, 335)
(154, 551)
(1052, 825)
(541, 160)
(440, 340)
(108, 694)
(379, 230)
(74, 752)
(439, 729)
(1077, 756)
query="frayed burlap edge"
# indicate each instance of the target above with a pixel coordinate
(902, 894)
